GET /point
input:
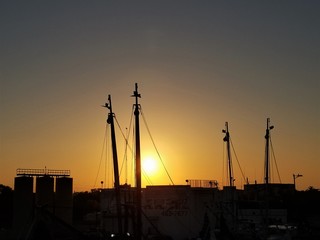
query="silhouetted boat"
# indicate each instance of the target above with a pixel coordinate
(253, 213)
(258, 211)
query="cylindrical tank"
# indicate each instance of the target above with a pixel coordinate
(44, 192)
(23, 204)
(63, 199)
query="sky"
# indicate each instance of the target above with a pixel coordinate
(198, 64)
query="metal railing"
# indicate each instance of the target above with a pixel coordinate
(42, 172)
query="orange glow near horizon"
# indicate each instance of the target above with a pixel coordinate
(58, 67)
(149, 165)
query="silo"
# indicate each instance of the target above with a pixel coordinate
(23, 204)
(44, 192)
(63, 199)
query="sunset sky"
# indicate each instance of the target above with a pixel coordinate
(198, 64)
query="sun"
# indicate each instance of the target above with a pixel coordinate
(149, 165)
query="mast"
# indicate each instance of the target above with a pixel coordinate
(115, 163)
(230, 169)
(136, 95)
(267, 153)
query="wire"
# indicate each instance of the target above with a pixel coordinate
(145, 122)
(106, 156)
(124, 161)
(223, 162)
(101, 156)
(145, 175)
(126, 137)
(127, 145)
(275, 160)
(234, 152)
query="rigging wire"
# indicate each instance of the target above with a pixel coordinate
(275, 160)
(130, 148)
(126, 145)
(126, 137)
(132, 156)
(271, 169)
(126, 157)
(145, 122)
(106, 155)
(145, 175)
(223, 162)
(101, 156)
(109, 162)
(148, 130)
(234, 152)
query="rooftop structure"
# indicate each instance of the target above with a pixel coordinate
(42, 172)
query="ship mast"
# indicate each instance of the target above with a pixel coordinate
(267, 153)
(115, 163)
(138, 164)
(230, 169)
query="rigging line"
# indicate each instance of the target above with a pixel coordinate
(151, 223)
(231, 166)
(126, 143)
(126, 157)
(275, 160)
(131, 126)
(223, 162)
(145, 122)
(265, 165)
(125, 138)
(126, 148)
(106, 156)
(145, 175)
(155, 227)
(271, 169)
(271, 166)
(244, 178)
(132, 156)
(101, 156)
(121, 131)
(122, 164)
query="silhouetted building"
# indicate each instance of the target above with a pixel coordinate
(63, 199)
(28, 206)
(45, 192)
(23, 206)
(178, 211)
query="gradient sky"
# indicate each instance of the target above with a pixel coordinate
(198, 64)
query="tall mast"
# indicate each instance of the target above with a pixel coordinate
(115, 162)
(138, 164)
(230, 169)
(267, 151)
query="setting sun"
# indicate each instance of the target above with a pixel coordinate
(149, 165)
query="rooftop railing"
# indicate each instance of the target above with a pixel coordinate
(42, 172)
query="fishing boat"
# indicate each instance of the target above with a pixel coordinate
(156, 212)
(259, 210)
(197, 210)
